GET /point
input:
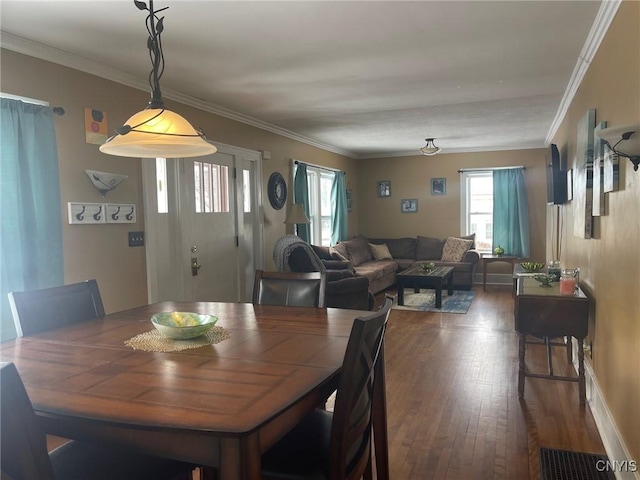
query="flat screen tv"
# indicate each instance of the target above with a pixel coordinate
(556, 178)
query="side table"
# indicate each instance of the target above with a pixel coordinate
(546, 313)
(487, 259)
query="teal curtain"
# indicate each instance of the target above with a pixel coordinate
(339, 224)
(510, 212)
(301, 196)
(30, 212)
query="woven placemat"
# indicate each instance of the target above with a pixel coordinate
(154, 341)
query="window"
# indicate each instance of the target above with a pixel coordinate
(476, 206)
(211, 186)
(319, 182)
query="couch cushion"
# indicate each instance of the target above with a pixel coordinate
(358, 250)
(377, 269)
(455, 248)
(380, 252)
(399, 247)
(428, 248)
(322, 252)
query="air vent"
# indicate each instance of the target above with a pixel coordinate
(566, 465)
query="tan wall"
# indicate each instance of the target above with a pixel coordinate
(101, 251)
(439, 215)
(610, 262)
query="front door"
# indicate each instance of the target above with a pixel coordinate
(204, 234)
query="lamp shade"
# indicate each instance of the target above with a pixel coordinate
(297, 215)
(157, 132)
(430, 148)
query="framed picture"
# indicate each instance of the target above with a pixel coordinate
(438, 186)
(384, 188)
(409, 205)
(570, 185)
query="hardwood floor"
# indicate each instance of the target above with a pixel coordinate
(453, 407)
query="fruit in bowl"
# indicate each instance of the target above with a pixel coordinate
(544, 279)
(532, 267)
(183, 325)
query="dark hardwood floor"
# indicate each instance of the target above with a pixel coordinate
(453, 407)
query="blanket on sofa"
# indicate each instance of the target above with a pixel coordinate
(283, 248)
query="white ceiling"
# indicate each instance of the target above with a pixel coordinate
(365, 79)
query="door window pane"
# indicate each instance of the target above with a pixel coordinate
(211, 186)
(161, 185)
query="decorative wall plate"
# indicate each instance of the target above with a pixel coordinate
(277, 189)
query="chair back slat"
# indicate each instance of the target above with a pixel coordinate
(36, 311)
(24, 446)
(290, 289)
(352, 419)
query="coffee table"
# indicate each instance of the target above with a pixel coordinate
(418, 278)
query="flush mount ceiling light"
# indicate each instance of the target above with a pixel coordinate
(430, 148)
(624, 141)
(155, 131)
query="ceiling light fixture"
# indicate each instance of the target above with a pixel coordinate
(624, 141)
(155, 131)
(430, 148)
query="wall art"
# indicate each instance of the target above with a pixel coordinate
(583, 177)
(598, 171)
(438, 186)
(384, 188)
(409, 205)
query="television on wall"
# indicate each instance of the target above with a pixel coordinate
(556, 178)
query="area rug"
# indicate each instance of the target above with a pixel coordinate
(425, 301)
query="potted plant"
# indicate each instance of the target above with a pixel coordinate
(498, 251)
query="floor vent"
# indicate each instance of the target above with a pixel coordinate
(566, 465)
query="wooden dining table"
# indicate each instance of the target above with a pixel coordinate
(219, 405)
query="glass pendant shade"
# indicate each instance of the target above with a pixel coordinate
(156, 133)
(430, 148)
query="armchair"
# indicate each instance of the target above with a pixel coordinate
(343, 290)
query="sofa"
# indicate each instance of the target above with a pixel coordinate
(344, 288)
(379, 259)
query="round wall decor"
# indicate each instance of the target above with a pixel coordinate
(277, 189)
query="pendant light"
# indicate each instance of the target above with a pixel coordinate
(155, 131)
(430, 148)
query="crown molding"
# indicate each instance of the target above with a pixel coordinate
(604, 17)
(34, 49)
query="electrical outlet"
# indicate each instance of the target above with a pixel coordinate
(136, 239)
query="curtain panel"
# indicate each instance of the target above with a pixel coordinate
(339, 220)
(30, 211)
(301, 196)
(510, 212)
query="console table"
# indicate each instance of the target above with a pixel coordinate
(545, 313)
(487, 259)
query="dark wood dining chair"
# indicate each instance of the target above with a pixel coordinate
(36, 311)
(290, 289)
(337, 446)
(24, 453)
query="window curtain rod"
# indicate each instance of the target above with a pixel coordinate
(488, 169)
(56, 110)
(329, 169)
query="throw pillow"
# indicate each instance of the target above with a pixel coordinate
(455, 248)
(380, 252)
(337, 254)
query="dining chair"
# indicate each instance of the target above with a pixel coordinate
(24, 453)
(337, 446)
(36, 311)
(290, 289)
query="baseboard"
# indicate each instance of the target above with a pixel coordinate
(611, 439)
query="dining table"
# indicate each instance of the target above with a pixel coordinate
(219, 406)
